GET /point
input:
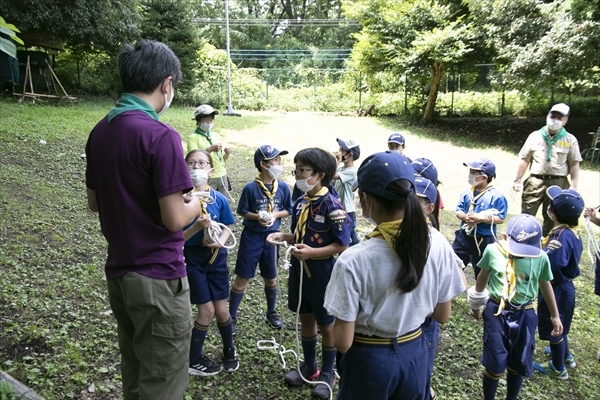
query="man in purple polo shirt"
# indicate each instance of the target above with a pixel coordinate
(135, 179)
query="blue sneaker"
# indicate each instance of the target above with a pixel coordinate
(549, 370)
(569, 359)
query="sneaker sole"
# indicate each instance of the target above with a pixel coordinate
(195, 372)
(232, 369)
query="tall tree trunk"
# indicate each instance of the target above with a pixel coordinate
(437, 72)
(287, 7)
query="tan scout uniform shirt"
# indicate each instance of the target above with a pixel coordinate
(564, 153)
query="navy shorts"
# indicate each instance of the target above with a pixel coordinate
(394, 371)
(466, 248)
(565, 302)
(253, 250)
(208, 281)
(508, 339)
(431, 331)
(313, 288)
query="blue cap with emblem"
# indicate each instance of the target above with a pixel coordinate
(266, 153)
(380, 169)
(425, 188)
(425, 168)
(524, 236)
(567, 202)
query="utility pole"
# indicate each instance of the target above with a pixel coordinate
(230, 112)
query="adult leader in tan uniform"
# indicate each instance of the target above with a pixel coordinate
(552, 154)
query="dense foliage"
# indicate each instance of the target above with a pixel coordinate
(405, 52)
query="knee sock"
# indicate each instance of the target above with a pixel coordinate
(226, 331)
(235, 298)
(567, 349)
(198, 335)
(271, 294)
(309, 348)
(490, 384)
(558, 354)
(513, 384)
(328, 358)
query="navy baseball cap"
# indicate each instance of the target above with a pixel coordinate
(484, 165)
(351, 146)
(425, 188)
(396, 137)
(567, 202)
(425, 168)
(266, 153)
(524, 236)
(381, 169)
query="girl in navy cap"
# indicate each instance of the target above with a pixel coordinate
(382, 289)
(564, 247)
(513, 270)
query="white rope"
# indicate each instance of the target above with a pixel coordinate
(592, 242)
(488, 214)
(272, 344)
(477, 300)
(214, 231)
(266, 216)
(204, 196)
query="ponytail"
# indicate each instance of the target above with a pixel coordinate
(412, 241)
(412, 244)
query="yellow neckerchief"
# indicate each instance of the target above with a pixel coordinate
(270, 194)
(389, 230)
(510, 278)
(475, 198)
(303, 217)
(573, 229)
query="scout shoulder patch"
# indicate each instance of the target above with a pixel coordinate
(338, 216)
(554, 245)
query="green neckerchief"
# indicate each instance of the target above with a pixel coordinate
(207, 136)
(551, 142)
(130, 102)
(204, 134)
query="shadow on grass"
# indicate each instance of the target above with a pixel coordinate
(506, 133)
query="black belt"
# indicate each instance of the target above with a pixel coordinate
(548, 177)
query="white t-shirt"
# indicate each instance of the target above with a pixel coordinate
(363, 287)
(344, 186)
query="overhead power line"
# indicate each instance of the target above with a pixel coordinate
(290, 55)
(278, 22)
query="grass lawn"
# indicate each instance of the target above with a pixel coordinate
(57, 334)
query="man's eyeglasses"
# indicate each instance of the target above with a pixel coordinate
(301, 171)
(201, 164)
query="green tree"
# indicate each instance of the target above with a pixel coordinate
(543, 44)
(412, 37)
(171, 22)
(91, 24)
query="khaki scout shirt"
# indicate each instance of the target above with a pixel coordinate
(565, 153)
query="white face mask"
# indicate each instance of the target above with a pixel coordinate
(167, 102)
(550, 214)
(199, 176)
(473, 181)
(275, 170)
(554, 124)
(304, 186)
(206, 127)
(368, 217)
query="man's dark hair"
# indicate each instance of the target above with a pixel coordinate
(319, 160)
(145, 65)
